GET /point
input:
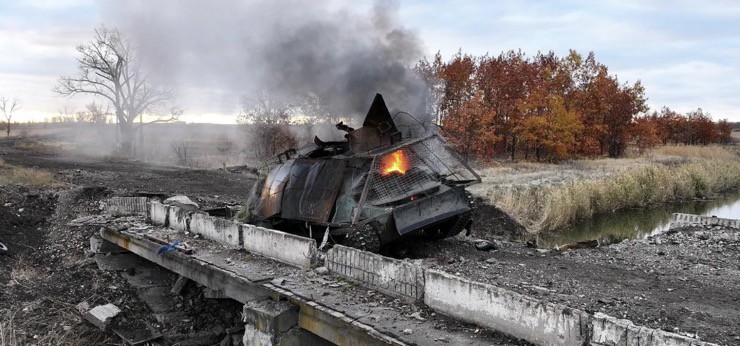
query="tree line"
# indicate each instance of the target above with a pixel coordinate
(544, 107)
(550, 108)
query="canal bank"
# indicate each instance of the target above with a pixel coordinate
(638, 223)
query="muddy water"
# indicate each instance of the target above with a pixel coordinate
(640, 223)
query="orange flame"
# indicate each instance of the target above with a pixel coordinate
(395, 162)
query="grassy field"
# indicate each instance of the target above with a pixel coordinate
(10, 174)
(547, 197)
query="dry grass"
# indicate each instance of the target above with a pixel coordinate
(683, 152)
(546, 197)
(10, 174)
(46, 147)
(45, 322)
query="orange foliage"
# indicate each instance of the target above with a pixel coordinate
(555, 108)
(467, 129)
(644, 133)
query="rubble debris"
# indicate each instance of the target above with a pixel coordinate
(82, 307)
(179, 285)
(182, 202)
(321, 270)
(98, 220)
(102, 315)
(487, 245)
(136, 332)
(417, 316)
(587, 244)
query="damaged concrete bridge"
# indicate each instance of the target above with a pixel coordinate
(294, 294)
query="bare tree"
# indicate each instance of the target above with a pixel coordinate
(267, 120)
(108, 68)
(98, 112)
(8, 107)
(83, 117)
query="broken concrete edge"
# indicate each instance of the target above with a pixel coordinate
(270, 316)
(102, 315)
(158, 213)
(397, 278)
(99, 245)
(607, 330)
(534, 320)
(317, 319)
(178, 218)
(682, 220)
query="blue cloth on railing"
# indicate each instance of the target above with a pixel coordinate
(169, 247)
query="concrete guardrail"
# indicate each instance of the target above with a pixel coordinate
(118, 206)
(503, 310)
(217, 229)
(682, 220)
(391, 276)
(537, 321)
(281, 246)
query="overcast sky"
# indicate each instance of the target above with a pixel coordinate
(687, 53)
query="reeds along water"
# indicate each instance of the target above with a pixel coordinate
(543, 208)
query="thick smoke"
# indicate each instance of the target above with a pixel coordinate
(290, 49)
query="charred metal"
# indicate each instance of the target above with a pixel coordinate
(379, 185)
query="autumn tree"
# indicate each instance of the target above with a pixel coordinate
(459, 86)
(724, 132)
(667, 125)
(108, 68)
(506, 81)
(548, 126)
(8, 107)
(702, 129)
(466, 129)
(644, 133)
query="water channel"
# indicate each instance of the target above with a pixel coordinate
(640, 223)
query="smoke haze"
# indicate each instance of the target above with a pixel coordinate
(290, 48)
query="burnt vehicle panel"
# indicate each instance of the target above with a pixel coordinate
(370, 190)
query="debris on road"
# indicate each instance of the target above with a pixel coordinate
(102, 315)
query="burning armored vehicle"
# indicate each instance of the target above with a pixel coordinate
(378, 186)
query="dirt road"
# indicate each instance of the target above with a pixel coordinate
(208, 185)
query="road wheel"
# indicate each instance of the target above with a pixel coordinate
(365, 238)
(448, 228)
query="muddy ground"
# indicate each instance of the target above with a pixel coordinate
(49, 268)
(686, 282)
